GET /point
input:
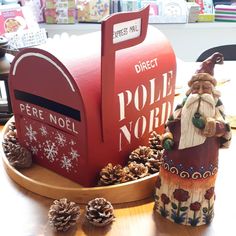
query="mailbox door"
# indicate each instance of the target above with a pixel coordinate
(49, 113)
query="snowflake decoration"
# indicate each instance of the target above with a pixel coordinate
(72, 142)
(66, 163)
(30, 133)
(44, 131)
(74, 154)
(50, 150)
(34, 150)
(60, 139)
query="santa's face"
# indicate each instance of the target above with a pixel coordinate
(201, 87)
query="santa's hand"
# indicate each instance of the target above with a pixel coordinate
(168, 144)
(198, 121)
(167, 141)
(210, 127)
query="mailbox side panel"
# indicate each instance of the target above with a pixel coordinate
(143, 99)
(49, 113)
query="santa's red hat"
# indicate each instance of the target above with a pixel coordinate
(206, 70)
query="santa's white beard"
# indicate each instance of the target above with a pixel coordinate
(190, 135)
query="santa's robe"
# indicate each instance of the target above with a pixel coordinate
(185, 185)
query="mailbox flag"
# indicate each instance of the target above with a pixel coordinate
(119, 31)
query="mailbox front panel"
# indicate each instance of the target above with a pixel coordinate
(49, 114)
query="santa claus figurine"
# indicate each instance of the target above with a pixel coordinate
(194, 133)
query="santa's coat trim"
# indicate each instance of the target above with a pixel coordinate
(184, 201)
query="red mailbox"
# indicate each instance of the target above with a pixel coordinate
(80, 104)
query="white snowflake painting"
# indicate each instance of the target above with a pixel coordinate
(72, 142)
(74, 154)
(26, 143)
(50, 150)
(34, 150)
(60, 139)
(43, 130)
(66, 163)
(31, 133)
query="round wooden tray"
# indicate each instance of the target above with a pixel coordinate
(49, 184)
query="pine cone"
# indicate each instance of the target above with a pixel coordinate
(136, 170)
(18, 156)
(10, 136)
(99, 212)
(12, 126)
(141, 154)
(63, 214)
(154, 162)
(110, 175)
(155, 141)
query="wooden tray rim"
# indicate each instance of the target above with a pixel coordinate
(29, 183)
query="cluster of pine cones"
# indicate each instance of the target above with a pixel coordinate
(63, 214)
(142, 162)
(18, 156)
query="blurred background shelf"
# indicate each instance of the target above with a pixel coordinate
(188, 40)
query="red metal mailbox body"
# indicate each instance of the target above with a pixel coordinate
(57, 95)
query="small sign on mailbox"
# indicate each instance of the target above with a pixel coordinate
(80, 104)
